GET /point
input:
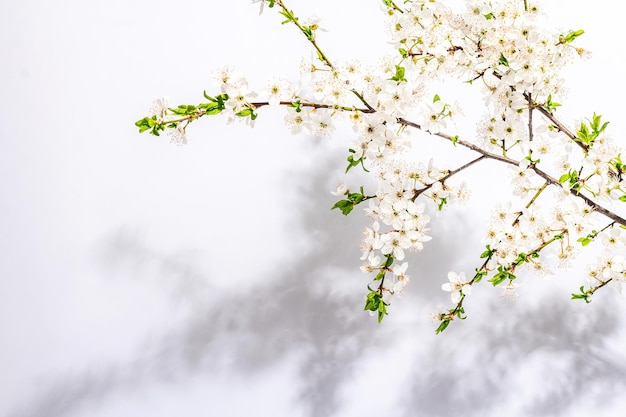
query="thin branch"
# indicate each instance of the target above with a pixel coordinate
(294, 20)
(448, 175)
(595, 206)
(592, 290)
(320, 53)
(258, 104)
(561, 127)
(532, 201)
(395, 7)
(530, 117)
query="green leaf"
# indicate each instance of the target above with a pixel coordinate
(479, 275)
(346, 206)
(184, 109)
(399, 77)
(501, 276)
(356, 198)
(215, 110)
(352, 163)
(503, 60)
(308, 32)
(296, 105)
(247, 112)
(382, 310)
(442, 326)
(288, 16)
(498, 279)
(570, 36)
(221, 99)
(522, 258)
(550, 105)
(211, 108)
(584, 295)
(145, 124)
(355, 162)
(487, 254)
(372, 301)
(442, 202)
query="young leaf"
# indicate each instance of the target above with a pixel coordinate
(345, 206)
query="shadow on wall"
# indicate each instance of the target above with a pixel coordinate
(299, 311)
(550, 359)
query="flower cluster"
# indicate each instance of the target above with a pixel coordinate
(609, 269)
(559, 177)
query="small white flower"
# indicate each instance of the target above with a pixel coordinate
(509, 292)
(432, 118)
(279, 90)
(401, 277)
(393, 244)
(177, 136)
(159, 108)
(238, 95)
(297, 121)
(438, 316)
(341, 189)
(458, 286)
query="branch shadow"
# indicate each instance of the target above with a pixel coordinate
(308, 309)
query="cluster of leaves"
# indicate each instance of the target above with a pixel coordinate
(589, 132)
(374, 301)
(351, 200)
(183, 113)
(153, 125)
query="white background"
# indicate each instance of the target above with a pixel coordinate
(143, 279)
